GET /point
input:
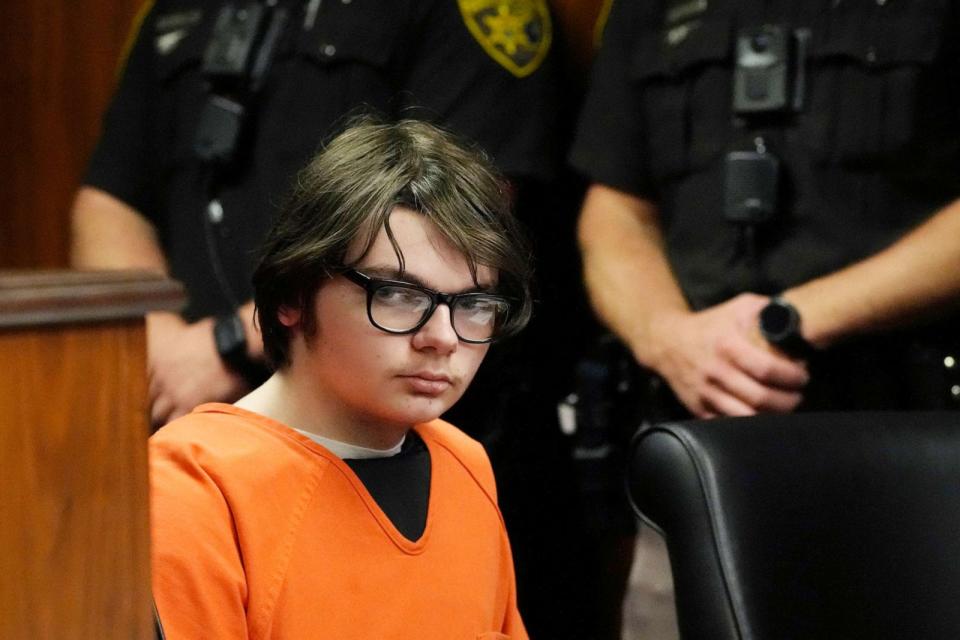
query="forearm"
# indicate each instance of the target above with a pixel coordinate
(914, 279)
(708, 358)
(109, 234)
(628, 278)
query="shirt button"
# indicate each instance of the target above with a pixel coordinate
(871, 54)
(881, 2)
(329, 50)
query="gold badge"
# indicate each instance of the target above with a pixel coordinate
(515, 33)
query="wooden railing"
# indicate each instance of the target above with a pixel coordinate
(74, 517)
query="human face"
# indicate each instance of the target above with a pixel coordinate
(378, 382)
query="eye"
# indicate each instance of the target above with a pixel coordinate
(395, 296)
(481, 309)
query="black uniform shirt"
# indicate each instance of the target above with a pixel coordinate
(395, 57)
(874, 150)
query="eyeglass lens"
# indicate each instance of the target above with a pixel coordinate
(475, 317)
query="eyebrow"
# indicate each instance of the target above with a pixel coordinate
(392, 273)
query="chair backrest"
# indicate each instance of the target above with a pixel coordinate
(808, 526)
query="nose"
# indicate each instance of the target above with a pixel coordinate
(437, 333)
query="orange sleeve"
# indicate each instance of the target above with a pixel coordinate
(198, 579)
(474, 457)
(512, 623)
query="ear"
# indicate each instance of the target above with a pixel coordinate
(289, 316)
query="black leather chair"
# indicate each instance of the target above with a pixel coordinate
(808, 526)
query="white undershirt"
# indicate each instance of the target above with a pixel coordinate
(347, 451)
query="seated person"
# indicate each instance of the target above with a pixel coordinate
(331, 502)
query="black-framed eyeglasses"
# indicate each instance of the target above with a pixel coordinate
(401, 307)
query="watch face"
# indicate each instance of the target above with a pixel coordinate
(776, 318)
(778, 321)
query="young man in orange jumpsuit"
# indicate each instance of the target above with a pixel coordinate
(331, 502)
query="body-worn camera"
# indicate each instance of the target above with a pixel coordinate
(235, 64)
(229, 57)
(769, 80)
(769, 72)
(751, 186)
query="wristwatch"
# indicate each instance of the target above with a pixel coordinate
(780, 326)
(231, 341)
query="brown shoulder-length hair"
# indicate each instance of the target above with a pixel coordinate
(348, 192)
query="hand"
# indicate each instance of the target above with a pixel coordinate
(718, 364)
(185, 368)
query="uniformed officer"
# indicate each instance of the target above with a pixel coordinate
(217, 107)
(220, 104)
(773, 222)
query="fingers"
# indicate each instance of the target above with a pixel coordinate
(726, 391)
(719, 402)
(155, 388)
(164, 405)
(763, 366)
(165, 409)
(752, 396)
(739, 379)
(774, 370)
(716, 369)
(161, 411)
(763, 380)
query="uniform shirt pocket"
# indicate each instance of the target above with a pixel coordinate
(492, 635)
(683, 77)
(875, 90)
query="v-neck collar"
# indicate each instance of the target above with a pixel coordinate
(411, 547)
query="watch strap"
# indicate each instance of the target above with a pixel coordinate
(231, 342)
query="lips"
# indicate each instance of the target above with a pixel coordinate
(428, 382)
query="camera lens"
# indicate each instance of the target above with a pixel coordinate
(760, 42)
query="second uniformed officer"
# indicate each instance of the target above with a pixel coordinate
(773, 222)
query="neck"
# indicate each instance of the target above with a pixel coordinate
(298, 403)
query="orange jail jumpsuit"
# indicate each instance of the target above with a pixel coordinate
(259, 532)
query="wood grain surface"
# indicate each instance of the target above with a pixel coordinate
(74, 536)
(74, 421)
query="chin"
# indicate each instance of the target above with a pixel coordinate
(420, 409)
